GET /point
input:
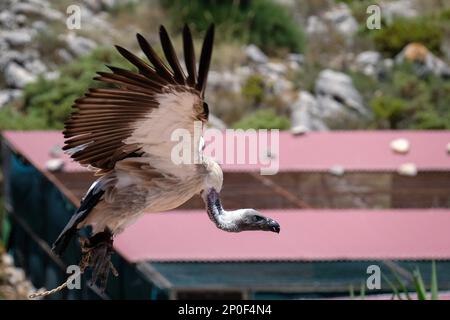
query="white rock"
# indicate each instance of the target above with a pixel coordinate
(17, 37)
(35, 67)
(296, 57)
(7, 20)
(341, 17)
(40, 8)
(255, 54)
(7, 96)
(407, 169)
(338, 87)
(305, 114)
(398, 8)
(299, 130)
(315, 25)
(337, 170)
(54, 164)
(368, 61)
(16, 76)
(78, 45)
(400, 145)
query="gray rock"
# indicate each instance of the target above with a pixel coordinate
(341, 18)
(64, 55)
(35, 67)
(228, 81)
(78, 45)
(255, 54)
(368, 62)
(296, 57)
(305, 115)
(39, 26)
(40, 8)
(6, 96)
(398, 8)
(216, 122)
(315, 25)
(335, 92)
(16, 76)
(7, 20)
(17, 37)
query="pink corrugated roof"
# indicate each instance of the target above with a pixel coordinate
(305, 235)
(314, 151)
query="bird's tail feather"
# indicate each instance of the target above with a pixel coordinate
(87, 204)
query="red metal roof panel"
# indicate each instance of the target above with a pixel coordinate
(305, 235)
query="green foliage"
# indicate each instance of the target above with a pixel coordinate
(263, 119)
(48, 103)
(391, 39)
(267, 24)
(253, 89)
(398, 286)
(389, 109)
(404, 100)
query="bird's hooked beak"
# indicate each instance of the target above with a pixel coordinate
(273, 225)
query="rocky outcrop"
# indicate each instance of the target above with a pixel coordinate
(306, 114)
(335, 93)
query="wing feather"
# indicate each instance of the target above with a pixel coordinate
(138, 115)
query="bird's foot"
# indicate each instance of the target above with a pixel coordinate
(96, 253)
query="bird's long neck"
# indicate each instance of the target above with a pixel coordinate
(222, 218)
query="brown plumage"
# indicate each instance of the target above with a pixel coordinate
(125, 135)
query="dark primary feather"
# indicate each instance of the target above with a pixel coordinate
(171, 56)
(151, 55)
(205, 60)
(104, 118)
(189, 56)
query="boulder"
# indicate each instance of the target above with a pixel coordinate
(255, 54)
(315, 25)
(342, 19)
(368, 62)
(78, 45)
(335, 92)
(6, 96)
(398, 8)
(305, 114)
(16, 76)
(17, 37)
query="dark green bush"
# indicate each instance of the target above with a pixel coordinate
(263, 119)
(391, 39)
(267, 24)
(404, 100)
(253, 89)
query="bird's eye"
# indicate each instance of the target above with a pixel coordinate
(257, 218)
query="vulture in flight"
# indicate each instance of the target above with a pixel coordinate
(123, 132)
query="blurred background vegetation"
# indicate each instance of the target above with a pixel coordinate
(400, 97)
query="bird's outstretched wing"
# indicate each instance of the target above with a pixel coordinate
(138, 116)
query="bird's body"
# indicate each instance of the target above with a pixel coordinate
(125, 134)
(133, 188)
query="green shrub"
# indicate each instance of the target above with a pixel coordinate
(263, 119)
(388, 111)
(267, 24)
(391, 39)
(48, 103)
(253, 89)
